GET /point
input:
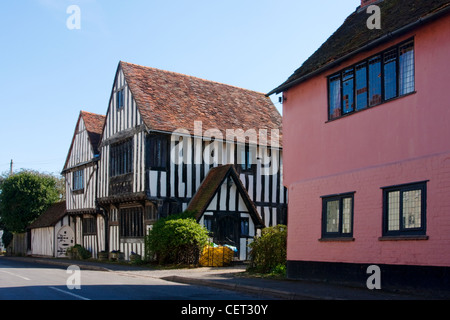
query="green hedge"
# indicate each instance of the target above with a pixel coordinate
(268, 251)
(177, 239)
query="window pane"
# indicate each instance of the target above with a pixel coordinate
(390, 74)
(121, 159)
(361, 86)
(245, 229)
(132, 222)
(78, 183)
(412, 207)
(333, 216)
(348, 94)
(406, 68)
(394, 211)
(375, 81)
(347, 215)
(335, 97)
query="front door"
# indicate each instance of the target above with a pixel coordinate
(65, 239)
(227, 230)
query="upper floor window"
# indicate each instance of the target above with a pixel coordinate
(246, 157)
(121, 158)
(385, 76)
(157, 149)
(78, 180)
(404, 209)
(120, 99)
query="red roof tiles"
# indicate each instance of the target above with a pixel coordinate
(168, 101)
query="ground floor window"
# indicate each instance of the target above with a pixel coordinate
(132, 222)
(337, 216)
(89, 226)
(404, 209)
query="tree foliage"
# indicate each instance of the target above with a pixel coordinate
(176, 239)
(24, 196)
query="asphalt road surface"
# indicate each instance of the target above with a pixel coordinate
(30, 281)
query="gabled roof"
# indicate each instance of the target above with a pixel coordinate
(397, 18)
(211, 185)
(168, 101)
(50, 217)
(94, 124)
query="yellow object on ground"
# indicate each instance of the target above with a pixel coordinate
(216, 256)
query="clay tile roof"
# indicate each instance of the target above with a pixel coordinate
(208, 189)
(94, 125)
(168, 101)
(211, 184)
(50, 217)
(397, 16)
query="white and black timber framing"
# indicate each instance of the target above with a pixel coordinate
(81, 173)
(135, 189)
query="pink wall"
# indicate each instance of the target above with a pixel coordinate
(402, 141)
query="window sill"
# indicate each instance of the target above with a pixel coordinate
(403, 238)
(338, 239)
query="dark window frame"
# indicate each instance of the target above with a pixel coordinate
(340, 234)
(121, 158)
(120, 99)
(402, 230)
(89, 226)
(339, 78)
(244, 227)
(131, 222)
(157, 152)
(78, 180)
(246, 158)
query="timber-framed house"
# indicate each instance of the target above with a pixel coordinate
(163, 134)
(80, 172)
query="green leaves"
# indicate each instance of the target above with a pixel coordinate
(24, 196)
(268, 252)
(176, 239)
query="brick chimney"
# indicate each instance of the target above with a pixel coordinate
(366, 3)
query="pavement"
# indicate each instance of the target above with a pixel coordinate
(236, 278)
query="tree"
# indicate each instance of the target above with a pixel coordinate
(24, 196)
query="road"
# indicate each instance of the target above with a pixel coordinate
(30, 281)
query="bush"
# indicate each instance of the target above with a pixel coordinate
(268, 251)
(78, 252)
(176, 239)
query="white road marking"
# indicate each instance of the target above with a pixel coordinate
(70, 293)
(16, 275)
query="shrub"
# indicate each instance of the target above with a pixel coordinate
(78, 252)
(268, 251)
(176, 239)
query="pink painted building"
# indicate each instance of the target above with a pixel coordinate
(367, 149)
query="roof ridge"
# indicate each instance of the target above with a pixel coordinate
(193, 77)
(88, 112)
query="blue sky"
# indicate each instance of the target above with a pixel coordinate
(50, 73)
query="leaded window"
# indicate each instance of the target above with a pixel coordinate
(385, 76)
